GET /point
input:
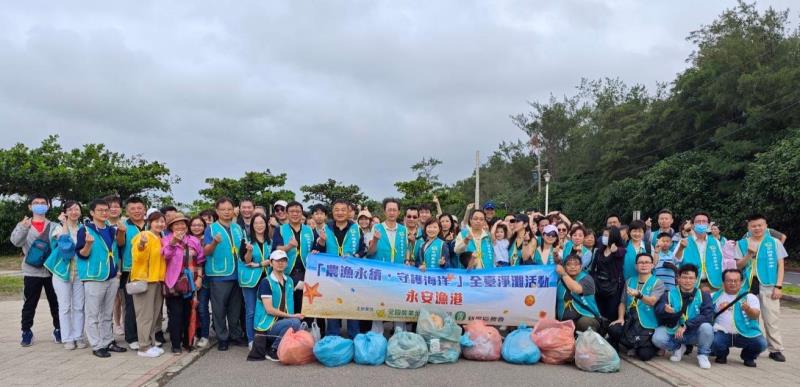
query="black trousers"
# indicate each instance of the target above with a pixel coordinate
(609, 305)
(31, 291)
(129, 324)
(616, 337)
(178, 309)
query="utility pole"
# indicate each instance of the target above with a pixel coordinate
(477, 178)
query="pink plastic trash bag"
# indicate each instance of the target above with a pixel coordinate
(481, 342)
(556, 340)
(296, 348)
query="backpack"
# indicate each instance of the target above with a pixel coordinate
(40, 249)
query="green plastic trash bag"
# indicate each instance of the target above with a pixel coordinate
(370, 348)
(442, 335)
(594, 354)
(406, 350)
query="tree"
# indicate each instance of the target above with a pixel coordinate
(331, 190)
(79, 174)
(263, 188)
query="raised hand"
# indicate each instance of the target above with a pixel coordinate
(292, 243)
(25, 222)
(89, 238)
(217, 239)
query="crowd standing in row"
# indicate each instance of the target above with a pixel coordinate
(649, 289)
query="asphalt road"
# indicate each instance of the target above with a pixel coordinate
(231, 369)
(791, 277)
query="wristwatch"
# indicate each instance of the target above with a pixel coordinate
(779, 287)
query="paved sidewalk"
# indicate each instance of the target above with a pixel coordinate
(46, 363)
(768, 373)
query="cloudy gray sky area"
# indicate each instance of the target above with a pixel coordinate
(357, 91)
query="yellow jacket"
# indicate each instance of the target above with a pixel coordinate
(148, 264)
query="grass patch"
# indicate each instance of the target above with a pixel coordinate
(792, 290)
(10, 285)
(10, 262)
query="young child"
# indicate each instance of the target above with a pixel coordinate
(501, 244)
(666, 262)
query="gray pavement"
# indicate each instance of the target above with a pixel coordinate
(231, 369)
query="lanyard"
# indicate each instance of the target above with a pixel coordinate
(229, 235)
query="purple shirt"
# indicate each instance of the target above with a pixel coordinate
(173, 254)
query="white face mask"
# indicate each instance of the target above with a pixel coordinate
(604, 239)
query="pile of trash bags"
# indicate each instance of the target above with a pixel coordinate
(442, 335)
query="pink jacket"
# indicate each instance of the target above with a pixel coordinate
(173, 254)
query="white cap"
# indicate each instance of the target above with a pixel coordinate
(549, 228)
(278, 254)
(150, 212)
(282, 203)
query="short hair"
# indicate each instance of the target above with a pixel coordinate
(698, 213)
(412, 208)
(197, 217)
(425, 207)
(294, 203)
(222, 200)
(320, 208)
(341, 201)
(69, 203)
(387, 201)
(637, 225)
(737, 271)
(576, 228)
(210, 213)
(113, 199)
(754, 217)
(571, 257)
(504, 228)
(154, 216)
(665, 211)
(433, 220)
(686, 269)
(97, 202)
(613, 215)
(246, 200)
(37, 196)
(166, 209)
(644, 255)
(664, 235)
(134, 200)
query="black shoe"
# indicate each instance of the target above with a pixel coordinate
(176, 350)
(102, 352)
(721, 360)
(777, 356)
(240, 342)
(222, 346)
(750, 363)
(689, 349)
(113, 347)
(272, 354)
(160, 337)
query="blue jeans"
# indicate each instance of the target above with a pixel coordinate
(280, 327)
(333, 327)
(751, 346)
(250, 296)
(203, 312)
(702, 337)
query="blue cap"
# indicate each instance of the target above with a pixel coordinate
(489, 205)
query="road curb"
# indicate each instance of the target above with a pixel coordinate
(164, 376)
(651, 369)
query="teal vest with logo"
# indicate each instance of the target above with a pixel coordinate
(766, 262)
(646, 313)
(305, 243)
(433, 253)
(384, 251)
(537, 258)
(588, 301)
(58, 266)
(745, 326)
(514, 254)
(629, 266)
(127, 257)
(350, 243)
(711, 266)
(486, 254)
(224, 259)
(263, 321)
(97, 266)
(249, 276)
(676, 302)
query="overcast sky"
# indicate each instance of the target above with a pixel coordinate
(357, 91)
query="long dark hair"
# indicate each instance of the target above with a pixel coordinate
(614, 237)
(266, 229)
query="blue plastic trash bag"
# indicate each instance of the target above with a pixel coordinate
(519, 348)
(370, 348)
(595, 354)
(406, 350)
(334, 351)
(442, 335)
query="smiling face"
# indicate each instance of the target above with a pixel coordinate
(157, 225)
(73, 212)
(197, 228)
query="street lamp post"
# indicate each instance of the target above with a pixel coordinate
(547, 192)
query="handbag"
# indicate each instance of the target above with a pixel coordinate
(136, 287)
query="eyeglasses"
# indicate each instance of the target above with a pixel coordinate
(412, 216)
(551, 234)
(562, 230)
(512, 221)
(644, 263)
(279, 209)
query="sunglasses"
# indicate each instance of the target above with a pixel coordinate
(562, 230)
(279, 209)
(412, 216)
(551, 234)
(512, 221)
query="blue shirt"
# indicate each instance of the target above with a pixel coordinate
(108, 233)
(208, 238)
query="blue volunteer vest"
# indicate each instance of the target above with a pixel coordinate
(629, 268)
(263, 321)
(676, 302)
(433, 253)
(305, 244)
(537, 258)
(249, 276)
(350, 243)
(589, 301)
(127, 257)
(384, 251)
(223, 260)
(97, 266)
(484, 254)
(711, 265)
(744, 325)
(514, 254)
(766, 262)
(646, 313)
(58, 266)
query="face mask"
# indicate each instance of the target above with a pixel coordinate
(39, 209)
(701, 228)
(604, 239)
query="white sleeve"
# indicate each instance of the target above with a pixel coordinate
(752, 300)
(781, 250)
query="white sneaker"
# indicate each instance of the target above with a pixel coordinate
(702, 361)
(69, 345)
(202, 343)
(134, 346)
(152, 352)
(158, 349)
(80, 344)
(677, 354)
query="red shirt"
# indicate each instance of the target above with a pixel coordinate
(39, 226)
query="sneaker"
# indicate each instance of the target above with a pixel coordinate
(272, 354)
(160, 338)
(152, 352)
(80, 344)
(777, 356)
(202, 343)
(27, 339)
(750, 363)
(677, 354)
(134, 346)
(222, 346)
(102, 352)
(721, 360)
(69, 345)
(158, 349)
(702, 361)
(176, 350)
(57, 336)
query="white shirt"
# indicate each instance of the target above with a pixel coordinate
(701, 249)
(724, 321)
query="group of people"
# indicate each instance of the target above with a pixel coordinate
(649, 289)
